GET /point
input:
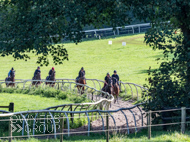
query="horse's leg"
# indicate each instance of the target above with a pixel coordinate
(118, 94)
(82, 90)
(78, 87)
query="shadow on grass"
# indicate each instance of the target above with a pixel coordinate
(145, 71)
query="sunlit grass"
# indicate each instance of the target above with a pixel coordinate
(97, 57)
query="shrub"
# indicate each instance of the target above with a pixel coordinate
(8, 90)
(78, 98)
(26, 91)
(18, 91)
(62, 96)
(50, 92)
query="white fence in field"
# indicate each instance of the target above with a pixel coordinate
(131, 29)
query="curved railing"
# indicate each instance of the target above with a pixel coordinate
(56, 116)
(71, 111)
(129, 89)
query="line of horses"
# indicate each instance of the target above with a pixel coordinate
(111, 87)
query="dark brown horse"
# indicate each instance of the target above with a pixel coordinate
(37, 77)
(11, 79)
(51, 78)
(116, 90)
(81, 80)
(108, 87)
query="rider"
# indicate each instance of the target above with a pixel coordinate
(116, 76)
(9, 74)
(81, 74)
(106, 80)
(50, 72)
(37, 71)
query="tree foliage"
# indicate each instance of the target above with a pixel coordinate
(169, 85)
(37, 25)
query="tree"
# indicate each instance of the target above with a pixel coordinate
(169, 85)
(37, 25)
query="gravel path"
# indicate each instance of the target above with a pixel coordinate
(120, 120)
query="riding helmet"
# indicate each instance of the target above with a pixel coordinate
(82, 68)
(115, 71)
(12, 68)
(53, 68)
(38, 67)
(108, 73)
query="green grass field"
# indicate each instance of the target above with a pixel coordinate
(139, 137)
(97, 57)
(24, 102)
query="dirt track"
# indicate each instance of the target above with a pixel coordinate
(120, 120)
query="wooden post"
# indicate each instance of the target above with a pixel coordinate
(11, 107)
(71, 114)
(149, 125)
(10, 130)
(61, 128)
(183, 119)
(107, 128)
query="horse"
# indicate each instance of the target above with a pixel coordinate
(81, 80)
(51, 78)
(11, 79)
(37, 77)
(108, 87)
(116, 89)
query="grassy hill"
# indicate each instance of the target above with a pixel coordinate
(97, 57)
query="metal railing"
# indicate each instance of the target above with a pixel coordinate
(130, 29)
(72, 111)
(129, 89)
(56, 116)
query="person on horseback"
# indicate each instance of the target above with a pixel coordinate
(37, 71)
(10, 72)
(107, 78)
(81, 74)
(50, 72)
(115, 76)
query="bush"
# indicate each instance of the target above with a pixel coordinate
(50, 92)
(39, 91)
(62, 96)
(78, 98)
(47, 92)
(8, 90)
(26, 91)
(78, 122)
(18, 91)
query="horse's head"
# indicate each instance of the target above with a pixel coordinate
(38, 76)
(114, 80)
(110, 82)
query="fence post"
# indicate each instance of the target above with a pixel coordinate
(61, 128)
(11, 107)
(71, 114)
(107, 128)
(10, 129)
(149, 124)
(183, 119)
